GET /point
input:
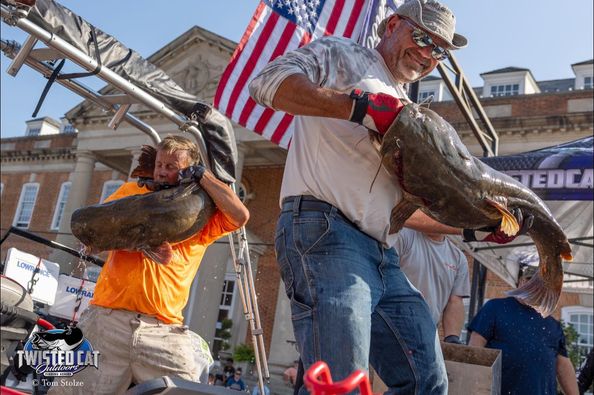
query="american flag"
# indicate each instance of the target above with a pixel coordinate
(279, 26)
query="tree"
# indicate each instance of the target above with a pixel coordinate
(244, 352)
(571, 341)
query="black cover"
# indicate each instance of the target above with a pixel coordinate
(216, 129)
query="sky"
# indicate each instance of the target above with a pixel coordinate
(544, 36)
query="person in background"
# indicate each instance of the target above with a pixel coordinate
(439, 270)
(229, 369)
(532, 348)
(290, 374)
(235, 382)
(256, 390)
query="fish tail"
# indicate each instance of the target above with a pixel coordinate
(146, 163)
(540, 294)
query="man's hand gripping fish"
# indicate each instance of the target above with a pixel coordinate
(438, 175)
(148, 222)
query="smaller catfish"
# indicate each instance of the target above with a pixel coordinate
(148, 222)
(438, 175)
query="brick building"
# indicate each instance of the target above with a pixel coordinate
(45, 177)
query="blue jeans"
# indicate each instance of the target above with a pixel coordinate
(351, 305)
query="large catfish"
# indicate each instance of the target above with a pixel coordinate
(148, 222)
(438, 175)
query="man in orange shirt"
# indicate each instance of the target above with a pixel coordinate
(135, 319)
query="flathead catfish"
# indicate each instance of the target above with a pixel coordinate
(438, 174)
(148, 222)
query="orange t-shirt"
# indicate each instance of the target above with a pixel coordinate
(131, 281)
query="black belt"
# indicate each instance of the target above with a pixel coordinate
(310, 203)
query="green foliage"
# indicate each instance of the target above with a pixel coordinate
(571, 340)
(244, 352)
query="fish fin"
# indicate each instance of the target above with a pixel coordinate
(566, 252)
(538, 295)
(184, 190)
(509, 223)
(400, 213)
(161, 254)
(146, 163)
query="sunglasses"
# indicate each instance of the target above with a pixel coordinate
(423, 40)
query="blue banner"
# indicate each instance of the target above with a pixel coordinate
(562, 172)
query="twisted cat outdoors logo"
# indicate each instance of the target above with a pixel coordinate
(58, 352)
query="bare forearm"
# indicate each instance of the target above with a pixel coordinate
(224, 198)
(566, 376)
(421, 222)
(299, 96)
(453, 317)
(477, 340)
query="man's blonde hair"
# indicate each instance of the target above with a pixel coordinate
(172, 143)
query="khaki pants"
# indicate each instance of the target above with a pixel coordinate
(133, 348)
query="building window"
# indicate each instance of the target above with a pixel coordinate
(33, 132)
(505, 90)
(69, 129)
(581, 319)
(225, 312)
(587, 82)
(426, 95)
(109, 188)
(62, 199)
(26, 205)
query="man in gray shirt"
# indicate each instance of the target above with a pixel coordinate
(439, 270)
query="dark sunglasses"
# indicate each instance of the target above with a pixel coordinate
(423, 40)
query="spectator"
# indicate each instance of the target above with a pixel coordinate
(532, 347)
(235, 382)
(256, 390)
(228, 370)
(439, 270)
(290, 374)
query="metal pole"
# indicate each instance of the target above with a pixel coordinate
(11, 48)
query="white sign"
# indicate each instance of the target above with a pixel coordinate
(69, 288)
(20, 267)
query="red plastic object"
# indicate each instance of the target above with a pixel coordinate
(9, 391)
(318, 381)
(45, 324)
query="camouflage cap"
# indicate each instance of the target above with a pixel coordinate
(432, 17)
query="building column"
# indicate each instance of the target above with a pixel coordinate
(79, 191)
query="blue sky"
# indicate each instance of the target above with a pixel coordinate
(544, 36)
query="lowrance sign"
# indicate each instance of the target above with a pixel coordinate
(69, 289)
(21, 266)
